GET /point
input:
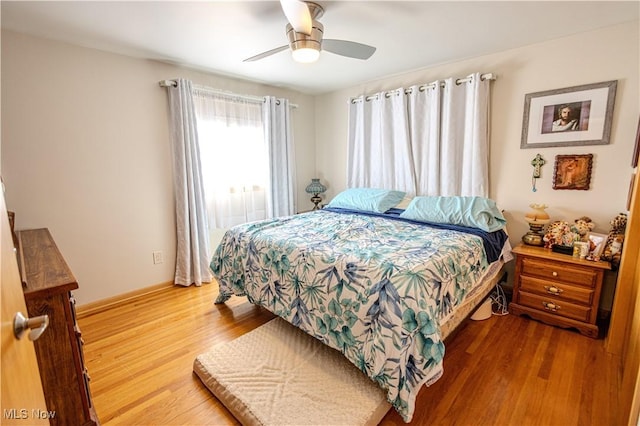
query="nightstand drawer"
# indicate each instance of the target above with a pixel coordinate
(554, 306)
(557, 291)
(558, 271)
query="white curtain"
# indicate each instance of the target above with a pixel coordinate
(379, 153)
(431, 141)
(425, 112)
(358, 150)
(281, 199)
(192, 256)
(235, 158)
(465, 138)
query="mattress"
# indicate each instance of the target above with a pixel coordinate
(279, 375)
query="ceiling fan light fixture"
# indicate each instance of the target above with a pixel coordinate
(306, 44)
(305, 55)
(305, 48)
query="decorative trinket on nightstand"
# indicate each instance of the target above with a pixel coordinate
(613, 247)
(537, 219)
(561, 235)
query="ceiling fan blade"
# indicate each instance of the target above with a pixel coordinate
(298, 15)
(348, 48)
(267, 53)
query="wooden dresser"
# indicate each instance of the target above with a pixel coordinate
(557, 289)
(47, 284)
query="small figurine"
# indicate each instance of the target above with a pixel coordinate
(560, 233)
(613, 247)
(583, 226)
(565, 234)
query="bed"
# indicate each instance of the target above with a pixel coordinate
(382, 289)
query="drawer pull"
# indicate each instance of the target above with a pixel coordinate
(550, 306)
(554, 273)
(552, 289)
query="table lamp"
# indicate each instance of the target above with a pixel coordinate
(536, 218)
(315, 188)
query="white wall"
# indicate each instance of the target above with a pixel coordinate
(85, 153)
(85, 143)
(606, 54)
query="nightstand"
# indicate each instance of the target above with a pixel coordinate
(557, 289)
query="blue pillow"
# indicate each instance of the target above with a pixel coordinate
(367, 199)
(475, 212)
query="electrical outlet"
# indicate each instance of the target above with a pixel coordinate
(157, 257)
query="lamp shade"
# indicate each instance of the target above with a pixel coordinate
(315, 187)
(537, 215)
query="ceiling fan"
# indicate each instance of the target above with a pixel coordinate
(305, 35)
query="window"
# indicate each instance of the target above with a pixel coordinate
(234, 158)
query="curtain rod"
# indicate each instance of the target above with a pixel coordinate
(256, 99)
(488, 76)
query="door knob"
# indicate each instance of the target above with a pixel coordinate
(37, 325)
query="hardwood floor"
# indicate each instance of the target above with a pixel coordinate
(501, 371)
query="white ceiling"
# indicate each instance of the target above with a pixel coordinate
(216, 36)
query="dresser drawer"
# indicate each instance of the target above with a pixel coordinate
(557, 290)
(554, 306)
(558, 271)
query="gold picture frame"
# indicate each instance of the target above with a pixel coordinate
(573, 172)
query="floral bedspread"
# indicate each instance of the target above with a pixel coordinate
(374, 288)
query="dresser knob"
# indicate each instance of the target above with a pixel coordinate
(554, 273)
(550, 306)
(551, 289)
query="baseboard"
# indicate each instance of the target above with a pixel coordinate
(111, 302)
